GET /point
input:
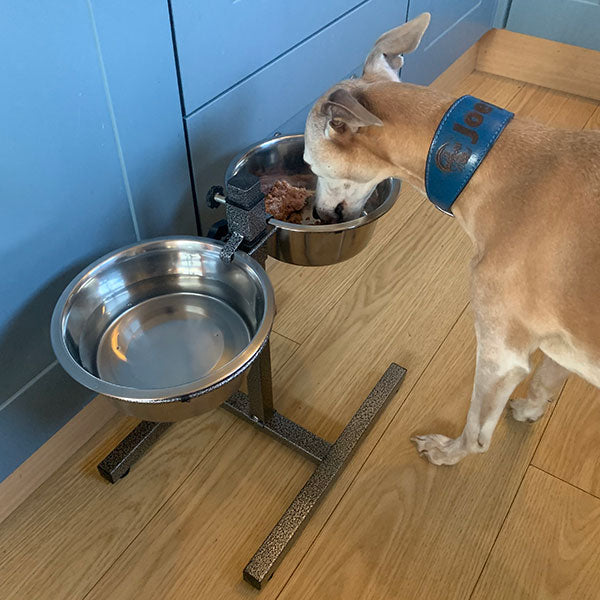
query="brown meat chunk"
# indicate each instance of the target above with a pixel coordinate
(284, 199)
(295, 217)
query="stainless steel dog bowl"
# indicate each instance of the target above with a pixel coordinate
(164, 327)
(311, 245)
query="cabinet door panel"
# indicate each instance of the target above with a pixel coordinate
(575, 22)
(62, 192)
(137, 51)
(220, 42)
(455, 26)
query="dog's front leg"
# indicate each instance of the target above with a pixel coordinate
(499, 370)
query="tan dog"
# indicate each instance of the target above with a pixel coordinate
(532, 210)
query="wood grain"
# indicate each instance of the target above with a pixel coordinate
(20, 484)
(542, 62)
(305, 295)
(198, 544)
(570, 448)
(548, 547)
(594, 121)
(554, 108)
(407, 529)
(72, 528)
(497, 90)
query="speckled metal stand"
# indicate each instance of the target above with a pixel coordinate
(248, 230)
(330, 458)
(263, 564)
(117, 464)
(281, 428)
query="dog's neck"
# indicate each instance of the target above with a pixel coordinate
(411, 115)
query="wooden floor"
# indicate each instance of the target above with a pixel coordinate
(522, 521)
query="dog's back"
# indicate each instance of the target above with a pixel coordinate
(538, 217)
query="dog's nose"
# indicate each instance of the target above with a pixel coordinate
(327, 216)
(323, 216)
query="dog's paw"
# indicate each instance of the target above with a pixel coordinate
(439, 449)
(523, 409)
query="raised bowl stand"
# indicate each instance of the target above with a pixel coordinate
(248, 224)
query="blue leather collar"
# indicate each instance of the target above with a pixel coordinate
(462, 140)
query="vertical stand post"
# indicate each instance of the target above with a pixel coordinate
(260, 386)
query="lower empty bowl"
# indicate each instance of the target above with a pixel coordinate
(165, 328)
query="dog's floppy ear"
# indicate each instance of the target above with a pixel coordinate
(345, 111)
(385, 59)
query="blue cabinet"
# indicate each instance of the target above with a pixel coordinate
(220, 42)
(136, 47)
(575, 22)
(93, 156)
(455, 26)
(63, 196)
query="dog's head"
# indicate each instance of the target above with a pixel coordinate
(341, 120)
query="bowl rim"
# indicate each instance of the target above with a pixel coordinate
(332, 227)
(200, 386)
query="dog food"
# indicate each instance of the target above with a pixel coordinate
(301, 180)
(286, 202)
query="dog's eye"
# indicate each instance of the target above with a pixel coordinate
(337, 124)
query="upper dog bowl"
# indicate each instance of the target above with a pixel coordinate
(164, 327)
(310, 245)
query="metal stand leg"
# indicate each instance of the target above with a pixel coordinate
(117, 464)
(260, 386)
(275, 547)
